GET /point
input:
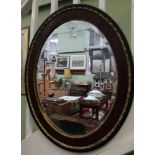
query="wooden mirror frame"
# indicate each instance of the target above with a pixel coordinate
(124, 65)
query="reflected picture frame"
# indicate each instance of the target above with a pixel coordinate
(24, 51)
(100, 60)
(62, 62)
(78, 62)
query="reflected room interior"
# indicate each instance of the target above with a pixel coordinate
(77, 78)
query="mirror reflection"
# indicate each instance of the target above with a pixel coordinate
(77, 78)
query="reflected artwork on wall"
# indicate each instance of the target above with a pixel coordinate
(62, 62)
(78, 62)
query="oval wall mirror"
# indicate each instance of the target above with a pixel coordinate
(79, 78)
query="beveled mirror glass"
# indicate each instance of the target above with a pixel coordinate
(76, 78)
(79, 78)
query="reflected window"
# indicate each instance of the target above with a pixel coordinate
(96, 39)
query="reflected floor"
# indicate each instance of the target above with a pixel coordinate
(75, 124)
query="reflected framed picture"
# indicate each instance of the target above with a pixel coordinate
(24, 52)
(100, 60)
(97, 66)
(62, 62)
(78, 62)
(108, 87)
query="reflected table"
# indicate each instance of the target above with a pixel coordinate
(94, 105)
(56, 106)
